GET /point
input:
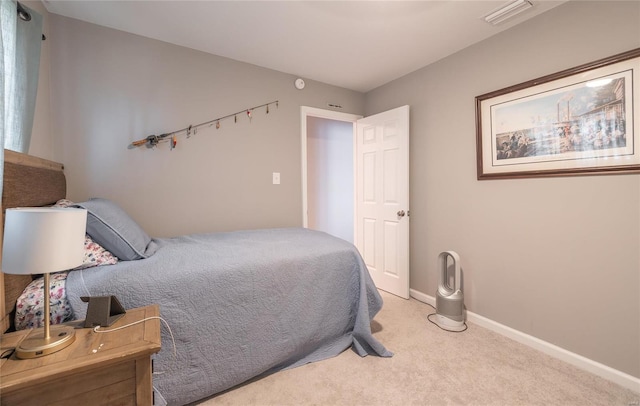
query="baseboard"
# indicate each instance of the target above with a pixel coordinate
(601, 370)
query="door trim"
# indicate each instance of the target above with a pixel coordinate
(330, 115)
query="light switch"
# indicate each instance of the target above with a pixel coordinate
(276, 178)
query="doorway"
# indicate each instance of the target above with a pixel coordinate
(355, 186)
(328, 141)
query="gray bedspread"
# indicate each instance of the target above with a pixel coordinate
(241, 304)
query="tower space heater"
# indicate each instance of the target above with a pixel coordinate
(449, 298)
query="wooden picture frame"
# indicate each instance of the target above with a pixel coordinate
(580, 121)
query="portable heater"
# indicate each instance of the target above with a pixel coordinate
(449, 298)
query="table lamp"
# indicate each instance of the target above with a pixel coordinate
(40, 240)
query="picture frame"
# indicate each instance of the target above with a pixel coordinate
(580, 121)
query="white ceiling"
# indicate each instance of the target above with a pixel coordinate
(357, 45)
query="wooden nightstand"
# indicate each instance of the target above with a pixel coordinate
(97, 369)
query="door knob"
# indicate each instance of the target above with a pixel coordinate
(400, 213)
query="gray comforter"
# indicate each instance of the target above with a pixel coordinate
(242, 304)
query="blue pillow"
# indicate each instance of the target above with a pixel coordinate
(111, 227)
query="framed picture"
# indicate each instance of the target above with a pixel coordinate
(581, 121)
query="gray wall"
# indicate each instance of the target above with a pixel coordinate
(111, 88)
(555, 258)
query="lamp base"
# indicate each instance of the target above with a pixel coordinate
(35, 345)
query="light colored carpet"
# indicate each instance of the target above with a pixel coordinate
(432, 367)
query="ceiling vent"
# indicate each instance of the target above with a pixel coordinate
(507, 11)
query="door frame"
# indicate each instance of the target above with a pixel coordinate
(305, 112)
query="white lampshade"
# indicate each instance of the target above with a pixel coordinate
(43, 240)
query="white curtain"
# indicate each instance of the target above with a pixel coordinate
(7, 45)
(20, 41)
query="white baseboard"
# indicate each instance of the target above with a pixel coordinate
(601, 370)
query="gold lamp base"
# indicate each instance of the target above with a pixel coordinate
(36, 345)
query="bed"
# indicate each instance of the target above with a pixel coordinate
(239, 304)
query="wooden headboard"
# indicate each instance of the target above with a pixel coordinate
(28, 182)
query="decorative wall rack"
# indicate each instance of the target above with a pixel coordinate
(153, 140)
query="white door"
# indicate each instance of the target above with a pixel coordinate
(382, 198)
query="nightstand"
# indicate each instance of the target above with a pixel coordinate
(97, 369)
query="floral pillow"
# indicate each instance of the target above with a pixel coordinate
(30, 305)
(63, 203)
(95, 255)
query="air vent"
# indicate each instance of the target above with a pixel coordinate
(507, 11)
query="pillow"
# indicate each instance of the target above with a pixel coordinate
(94, 253)
(63, 203)
(30, 304)
(112, 228)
